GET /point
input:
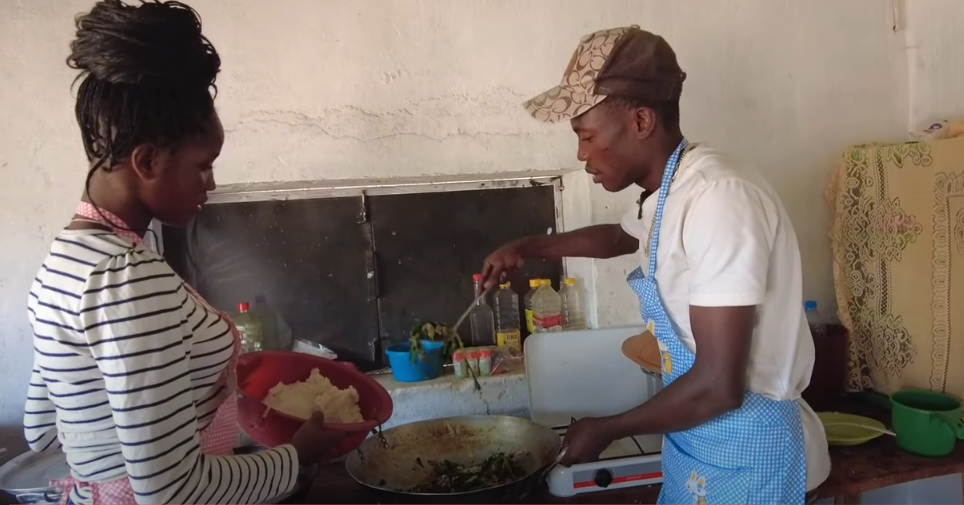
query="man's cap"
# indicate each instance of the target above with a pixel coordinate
(620, 62)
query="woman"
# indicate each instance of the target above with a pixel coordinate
(134, 372)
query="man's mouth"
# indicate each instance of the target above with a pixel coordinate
(596, 176)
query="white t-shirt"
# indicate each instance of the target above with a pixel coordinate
(726, 240)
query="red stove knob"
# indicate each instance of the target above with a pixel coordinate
(603, 478)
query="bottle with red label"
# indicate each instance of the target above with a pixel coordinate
(546, 309)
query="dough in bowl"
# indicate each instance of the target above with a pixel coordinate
(317, 393)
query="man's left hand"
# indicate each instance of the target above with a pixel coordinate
(585, 441)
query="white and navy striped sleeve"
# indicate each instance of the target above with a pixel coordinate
(39, 416)
(134, 323)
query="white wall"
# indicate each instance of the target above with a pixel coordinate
(327, 89)
(935, 68)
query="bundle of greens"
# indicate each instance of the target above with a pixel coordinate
(448, 477)
(437, 332)
(434, 332)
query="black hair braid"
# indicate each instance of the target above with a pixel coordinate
(147, 75)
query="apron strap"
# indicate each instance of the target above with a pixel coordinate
(672, 165)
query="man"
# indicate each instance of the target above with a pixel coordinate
(720, 284)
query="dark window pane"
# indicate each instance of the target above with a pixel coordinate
(429, 244)
(307, 258)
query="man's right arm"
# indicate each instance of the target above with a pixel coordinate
(601, 241)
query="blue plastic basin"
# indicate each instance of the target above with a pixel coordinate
(409, 368)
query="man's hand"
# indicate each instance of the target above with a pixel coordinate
(599, 241)
(585, 441)
(502, 260)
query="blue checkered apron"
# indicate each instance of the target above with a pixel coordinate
(751, 455)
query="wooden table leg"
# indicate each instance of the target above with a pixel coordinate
(847, 499)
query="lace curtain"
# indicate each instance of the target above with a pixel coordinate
(897, 232)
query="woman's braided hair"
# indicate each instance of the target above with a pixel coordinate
(147, 75)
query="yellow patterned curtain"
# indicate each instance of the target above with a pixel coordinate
(897, 231)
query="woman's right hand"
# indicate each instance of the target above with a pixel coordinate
(313, 443)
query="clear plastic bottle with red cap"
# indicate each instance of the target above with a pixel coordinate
(482, 318)
(250, 329)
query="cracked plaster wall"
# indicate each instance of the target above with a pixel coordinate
(328, 89)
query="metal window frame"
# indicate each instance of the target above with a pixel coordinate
(259, 192)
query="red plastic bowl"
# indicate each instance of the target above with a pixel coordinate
(258, 372)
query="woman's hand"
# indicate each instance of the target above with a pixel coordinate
(313, 443)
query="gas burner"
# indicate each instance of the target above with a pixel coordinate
(629, 462)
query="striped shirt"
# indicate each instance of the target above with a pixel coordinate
(128, 371)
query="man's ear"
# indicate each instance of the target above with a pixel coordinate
(144, 161)
(645, 122)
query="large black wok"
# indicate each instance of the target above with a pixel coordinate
(387, 466)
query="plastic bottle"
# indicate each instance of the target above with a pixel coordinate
(546, 309)
(818, 328)
(507, 330)
(276, 334)
(481, 319)
(527, 302)
(573, 308)
(250, 329)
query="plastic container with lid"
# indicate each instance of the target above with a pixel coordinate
(485, 362)
(507, 325)
(546, 309)
(459, 364)
(472, 362)
(527, 302)
(573, 306)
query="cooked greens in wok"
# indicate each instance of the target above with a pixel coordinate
(449, 477)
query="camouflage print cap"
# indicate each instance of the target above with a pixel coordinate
(621, 62)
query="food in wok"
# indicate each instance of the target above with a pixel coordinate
(451, 477)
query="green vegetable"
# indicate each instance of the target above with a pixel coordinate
(437, 332)
(434, 332)
(448, 477)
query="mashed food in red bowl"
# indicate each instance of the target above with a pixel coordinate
(317, 393)
(278, 391)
